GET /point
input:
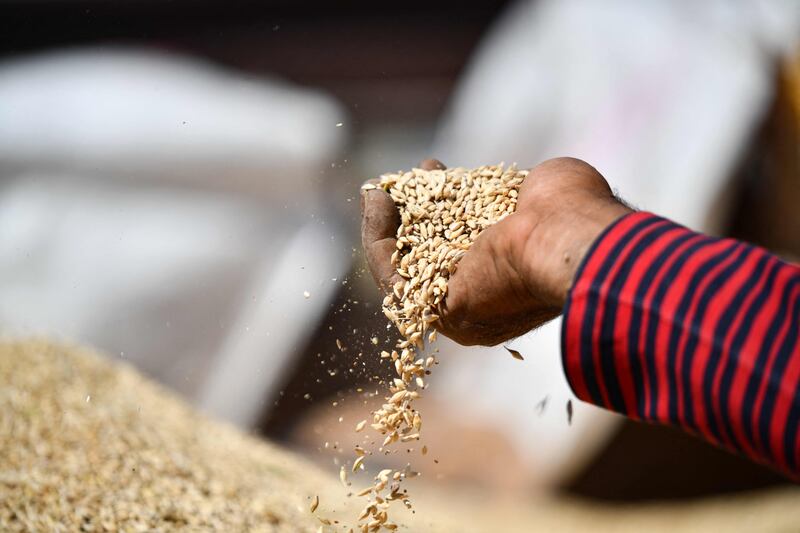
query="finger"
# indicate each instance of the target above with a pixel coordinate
(432, 164)
(379, 216)
(379, 222)
(379, 258)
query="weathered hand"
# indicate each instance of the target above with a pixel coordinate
(517, 274)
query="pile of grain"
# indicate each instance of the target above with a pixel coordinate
(442, 212)
(87, 445)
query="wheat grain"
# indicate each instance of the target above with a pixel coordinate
(514, 353)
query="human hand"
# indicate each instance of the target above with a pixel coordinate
(517, 274)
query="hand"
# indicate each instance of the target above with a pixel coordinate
(519, 271)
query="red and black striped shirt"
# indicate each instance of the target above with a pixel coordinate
(667, 325)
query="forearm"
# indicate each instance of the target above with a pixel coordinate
(667, 325)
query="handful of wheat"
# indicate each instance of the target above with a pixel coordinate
(442, 212)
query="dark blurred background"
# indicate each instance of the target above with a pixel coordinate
(384, 62)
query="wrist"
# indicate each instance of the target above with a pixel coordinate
(557, 244)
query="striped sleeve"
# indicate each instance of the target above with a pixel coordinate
(671, 326)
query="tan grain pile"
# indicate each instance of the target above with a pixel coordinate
(442, 213)
(87, 445)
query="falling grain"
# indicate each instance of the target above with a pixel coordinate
(514, 353)
(442, 212)
(541, 405)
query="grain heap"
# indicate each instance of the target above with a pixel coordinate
(442, 212)
(88, 445)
